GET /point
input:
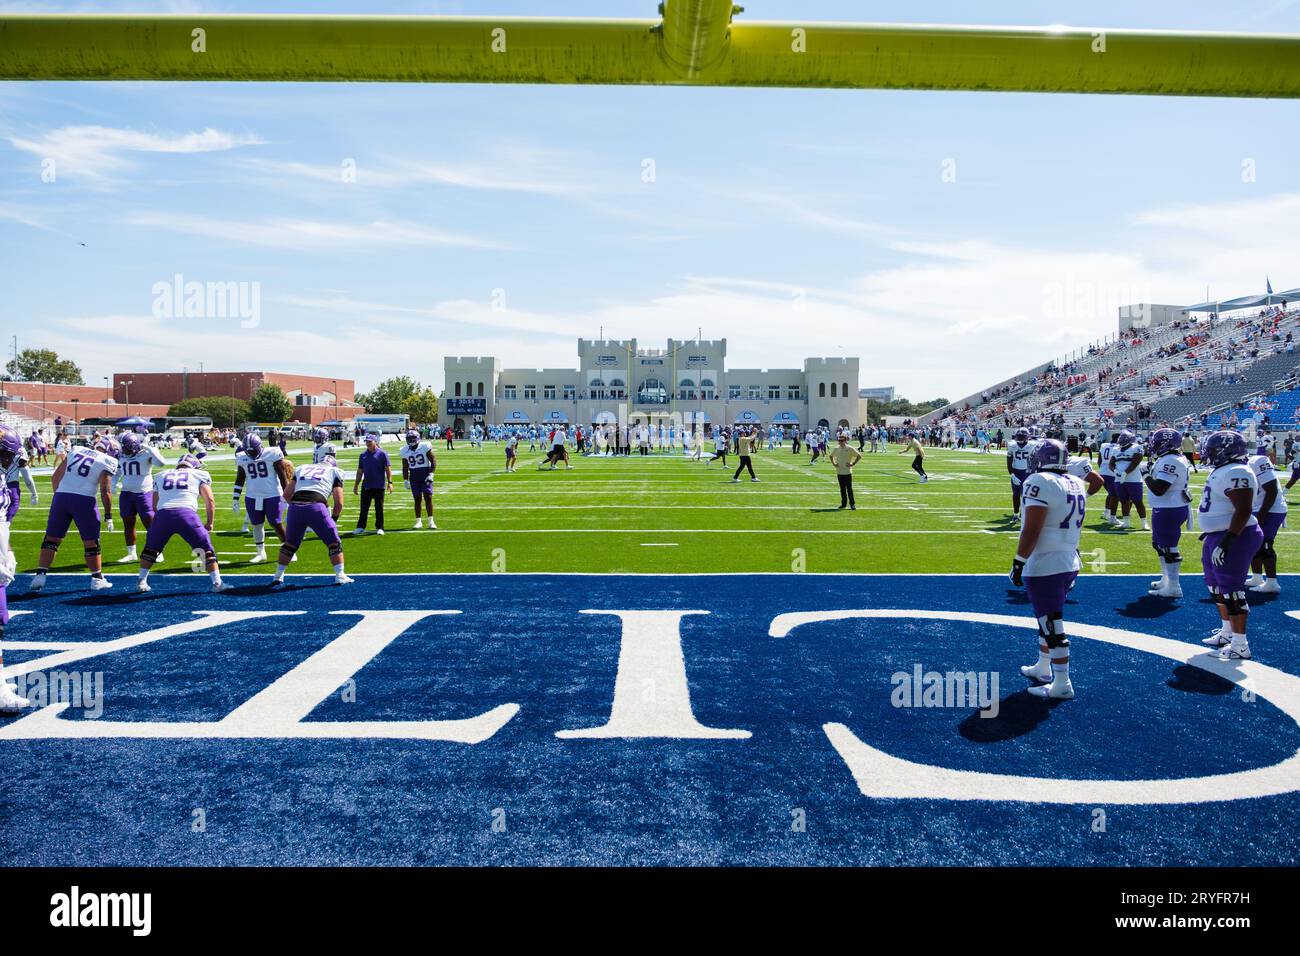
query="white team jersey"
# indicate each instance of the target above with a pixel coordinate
(1215, 512)
(179, 488)
(12, 473)
(1079, 467)
(320, 451)
(1173, 469)
(260, 477)
(322, 479)
(1018, 454)
(135, 472)
(1106, 459)
(1265, 473)
(1057, 550)
(419, 458)
(85, 465)
(1122, 458)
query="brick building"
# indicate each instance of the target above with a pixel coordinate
(315, 399)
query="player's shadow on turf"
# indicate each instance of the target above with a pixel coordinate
(1148, 606)
(1195, 680)
(129, 596)
(1018, 714)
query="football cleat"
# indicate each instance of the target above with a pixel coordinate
(1270, 586)
(1254, 581)
(432, 526)
(100, 584)
(1216, 640)
(221, 586)
(143, 587)
(277, 582)
(128, 557)
(379, 531)
(38, 583)
(1059, 689)
(1231, 653)
(1169, 592)
(258, 558)
(10, 702)
(419, 523)
(1034, 672)
(1157, 584)
(342, 579)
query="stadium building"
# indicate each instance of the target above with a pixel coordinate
(617, 381)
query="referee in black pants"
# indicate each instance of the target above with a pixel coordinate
(745, 447)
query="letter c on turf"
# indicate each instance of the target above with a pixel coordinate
(881, 775)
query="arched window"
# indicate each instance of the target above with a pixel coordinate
(469, 389)
(832, 389)
(617, 388)
(844, 390)
(686, 390)
(480, 389)
(652, 392)
(458, 389)
(821, 390)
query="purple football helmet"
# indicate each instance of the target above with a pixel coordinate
(11, 446)
(253, 445)
(1222, 447)
(320, 436)
(131, 443)
(188, 461)
(1125, 438)
(1021, 435)
(1033, 432)
(1165, 441)
(329, 460)
(412, 437)
(1049, 455)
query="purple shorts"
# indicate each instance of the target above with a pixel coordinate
(10, 502)
(173, 521)
(421, 482)
(1109, 482)
(264, 509)
(67, 508)
(1129, 491)
(4, 607)
(1047, 592)
(314, 515)
(1232, 576)
(132, 503)
(1167, 526)
(1270, 523)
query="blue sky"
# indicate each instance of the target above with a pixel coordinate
(512, 220)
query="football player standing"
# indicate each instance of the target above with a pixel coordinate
(1270, 512)
(1127, 462)
(176, 497)
(261, 474)
(309, 488)
(1231, 537)
(1167, 481)
(418, 465)
(86, 472)
(1018, 450)
(1047, 561)
(134, 480)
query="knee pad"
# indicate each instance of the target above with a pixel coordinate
(335, 548)
(1237, 603)
(1170, 555)
(92, 550)
(288, 548)
(51, 544)
(149, 554)
(1217, 596)
(1051, 628)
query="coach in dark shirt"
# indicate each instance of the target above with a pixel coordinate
(374, 477)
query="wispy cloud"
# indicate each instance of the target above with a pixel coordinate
(310, 233)
(96, 153)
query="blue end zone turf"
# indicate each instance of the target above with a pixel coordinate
(525, 795)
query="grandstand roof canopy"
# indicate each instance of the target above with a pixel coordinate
(1245, 302)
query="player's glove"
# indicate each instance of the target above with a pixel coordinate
(234, 506)
(1017, 575)
(36, 499)
(1015, 482)
(407, 484)
(1220, 553)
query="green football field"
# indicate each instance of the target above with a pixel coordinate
(664, 514)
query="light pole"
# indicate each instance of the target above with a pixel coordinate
(76, 421)
(335, 383)
(126, 387)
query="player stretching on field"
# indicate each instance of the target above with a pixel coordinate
(11, 451)
(1047, 561)
(418, 465)
(135, 479)
(1231, 537)
(176, 497)
(260, 475)
(310, 487)
(76, 481)
(1167, 482)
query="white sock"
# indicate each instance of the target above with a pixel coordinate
(259, 535)
(1044, 659)
(215, 576)
(338, 570)
(1239, 642)
(1225, 629)
(279, 571)
(144, 574)
(1061, 670)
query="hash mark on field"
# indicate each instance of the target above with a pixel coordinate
(658, 544)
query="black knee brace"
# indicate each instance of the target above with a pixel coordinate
(210, 556)
(1218, 597)
(1051, 628)
(288, 548)
(92, 550)
(335, 549)
(1237, 603)
(51, 544)
(1266, 549)
(1169, 555)
(149, 554)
